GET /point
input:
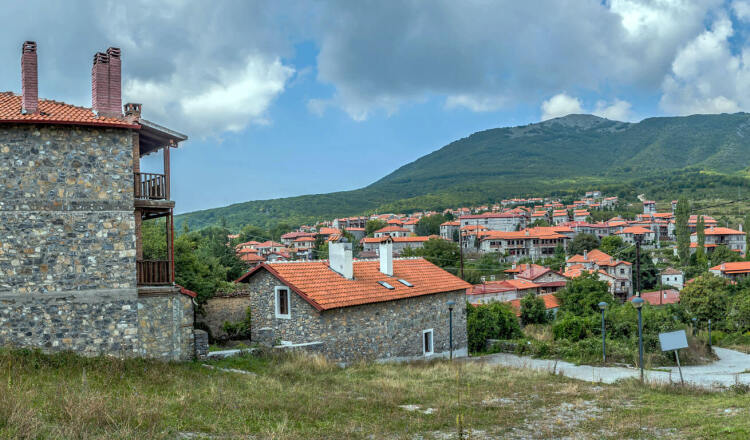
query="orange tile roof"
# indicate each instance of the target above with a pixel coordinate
(721, 231)
(733, 267)
(325, 289)
(303, 239)
(660, 297)
(550, 302)
(522, 267)
(328, 231)
(251, 258)
(398, 239)
(541, 232)
(634, 230)
(55, 112)
(392, 228)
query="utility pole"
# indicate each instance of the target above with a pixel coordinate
(461, 248)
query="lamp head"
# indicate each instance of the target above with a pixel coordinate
(603, 306)
(451, 303)
(637, 302)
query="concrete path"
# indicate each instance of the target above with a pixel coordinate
(731, 368)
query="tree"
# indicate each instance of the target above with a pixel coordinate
(700, 250)
(583, 242)
(539, 222)
(707, 297)
(582, 295)
(682, 213)
(437, 251)
(430, 225)
(722, 254)
(533, 310)
(253, 233)
(739, 312)
(373, 225)
(278, 230)
(611, 244)
(490, 321)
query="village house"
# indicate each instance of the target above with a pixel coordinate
(503, 221)
(73, 274)
(629, 233)
(392, 231)
(609, 203)
(672, 277)
(547, 279)
(617, 273)
(732, 270)
(661, 297)
(551, 304)
(386, 309)
(500, 291)
(731, 238)
(372, 244)
(649, 207)
(534, 243)
(449, 230)
(350, 222)
(288, 238)
(559, 216)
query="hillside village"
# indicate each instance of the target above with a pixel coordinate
(92, 266)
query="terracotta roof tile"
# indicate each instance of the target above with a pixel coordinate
(325, 289)
(54, 112)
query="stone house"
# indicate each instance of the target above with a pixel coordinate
(501, 291)
(72, 202)
(386, 309)
(620, 273)
(449, 230)
(535, 243)
(391, 231)
(734, 271)
(372, 244)
(673, 277)
(502, 221)
(715, 236)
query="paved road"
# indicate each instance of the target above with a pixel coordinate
(732, 367)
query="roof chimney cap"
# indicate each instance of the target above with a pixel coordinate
(28, 47)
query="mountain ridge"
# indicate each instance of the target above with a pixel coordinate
(556, 156)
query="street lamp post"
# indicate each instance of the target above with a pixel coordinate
(603, 307)
(638, 239)
(695, 326)
(451, 303)
(710, 346)
(638, 303)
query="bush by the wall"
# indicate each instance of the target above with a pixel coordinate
(490, 321)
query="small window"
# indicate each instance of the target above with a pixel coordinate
(282, 302)
(427, 347)
(405, 283)
(386, 285)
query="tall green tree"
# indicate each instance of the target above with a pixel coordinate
(611, 244)
(373, 225)
(682, 214)
(430, 225)
(582, 295)
(707, 297)
(582, 242)
(533, 310)
(700, 250)
(722, 254)
(437, 251)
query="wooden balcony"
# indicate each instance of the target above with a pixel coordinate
(154, 272)
(150, 186)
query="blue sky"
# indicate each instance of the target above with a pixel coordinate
(289, 98)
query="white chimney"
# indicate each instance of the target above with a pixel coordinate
(340, 259)
(386, 257)
(585, 254)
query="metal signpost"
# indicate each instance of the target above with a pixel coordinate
(673, 341)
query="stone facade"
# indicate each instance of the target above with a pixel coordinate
(68, 248)
(221, 309)
(390, 330)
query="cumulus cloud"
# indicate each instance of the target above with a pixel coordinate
(741, 9)
(485, 59)
(619, 110)
(706, 77)
(560, 105)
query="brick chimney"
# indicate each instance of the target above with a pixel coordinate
(100, 83)
(115, 81)
(132, 112)
(29, 79)
(106, 83)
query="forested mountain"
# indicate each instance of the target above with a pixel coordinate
(662, 157)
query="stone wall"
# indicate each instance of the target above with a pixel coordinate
(68, 248)
(389, 330)
(221, 309)
(165, 327)
(66, 209)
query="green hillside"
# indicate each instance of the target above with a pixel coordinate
(705, 155)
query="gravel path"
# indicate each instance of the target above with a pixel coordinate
(731, 368)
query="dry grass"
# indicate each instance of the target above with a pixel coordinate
(297, 397)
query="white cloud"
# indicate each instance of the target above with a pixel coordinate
(231, 101)
(561, 105)
(619, 110)
(741, 9)
(474, 103)
(706, 77)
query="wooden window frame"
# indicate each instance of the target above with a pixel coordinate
(277, 302)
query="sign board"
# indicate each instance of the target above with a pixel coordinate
(673, 340)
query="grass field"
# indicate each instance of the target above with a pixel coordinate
(65, 396)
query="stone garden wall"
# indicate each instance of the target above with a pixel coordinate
(220, 309)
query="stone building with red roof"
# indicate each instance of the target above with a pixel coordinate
(73, 274)
(385, 309)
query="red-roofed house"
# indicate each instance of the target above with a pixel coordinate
(619, 272)
(731, 238)
(534, 243)
(732, 270)
(551, 303)
(504, 221)
(391, 309)
(500, 291)
(399, 243)
(392, 231)
(661, 297)
(628, 234)
(449, 230)
(548, 280)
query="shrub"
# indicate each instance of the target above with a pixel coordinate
(239, 329)
(571, 327)
(490, 321)
(582, 295)
(533, 310)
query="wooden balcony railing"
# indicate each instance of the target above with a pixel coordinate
(154, 272)
(151, 186)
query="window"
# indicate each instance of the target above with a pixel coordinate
(427, 348)
(282, 302)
